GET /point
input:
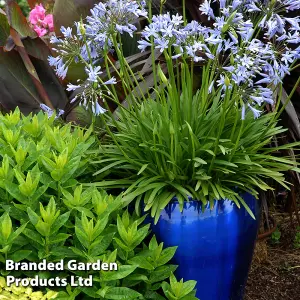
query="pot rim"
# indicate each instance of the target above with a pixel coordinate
(191, 200)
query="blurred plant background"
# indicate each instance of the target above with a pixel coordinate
(22, 3)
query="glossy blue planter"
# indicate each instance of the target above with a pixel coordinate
(214, 247)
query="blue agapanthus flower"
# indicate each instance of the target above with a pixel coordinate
(251, 43)
(90, 41)
(254, 64)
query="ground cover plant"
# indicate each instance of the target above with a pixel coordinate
(47, 214)
(39, 158)
(58, 232)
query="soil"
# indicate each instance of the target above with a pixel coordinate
(277, 278)
(275, 270)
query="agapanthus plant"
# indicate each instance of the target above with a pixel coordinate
(193, 131)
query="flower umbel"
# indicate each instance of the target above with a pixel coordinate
(89, 42)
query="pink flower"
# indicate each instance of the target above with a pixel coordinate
(37, 14)
(48, 22)
(40, 31)
(42, 23)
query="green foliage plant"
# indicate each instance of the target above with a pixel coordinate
(48, 213)
(110, 234)
(38, 158)
(275, 237)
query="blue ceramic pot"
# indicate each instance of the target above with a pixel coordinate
(215, 247)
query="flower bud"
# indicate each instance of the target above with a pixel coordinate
(162, 76)
(229, 22)
(82, 29)
(227, 81)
